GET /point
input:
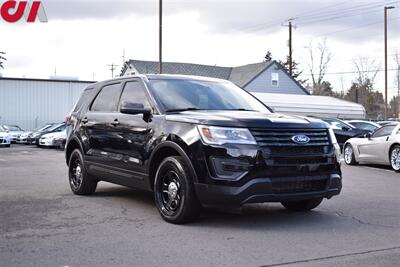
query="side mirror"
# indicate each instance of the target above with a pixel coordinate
(135, 109)
(367, 135)
(344, 128)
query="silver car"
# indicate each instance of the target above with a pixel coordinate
(380, 147)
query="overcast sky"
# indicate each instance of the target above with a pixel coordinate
(82, 37)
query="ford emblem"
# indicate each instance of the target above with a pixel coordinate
(301, 139)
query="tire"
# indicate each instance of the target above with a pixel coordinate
(174, 192)
(80, 181)
(394, 158)
(348, 154)
(303, 205)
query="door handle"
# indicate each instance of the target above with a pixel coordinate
(115, 122)
(85, 120)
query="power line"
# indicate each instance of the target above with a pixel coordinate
(351, 72)
(323, 16)
(354, 28)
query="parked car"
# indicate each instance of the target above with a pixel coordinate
(23, 138)
(53, 139)
(5, 139)
(14, 131)
(365, 125)
(344, 131)
(33, 138)
(383, 123)
(196, 140)
(380, 147)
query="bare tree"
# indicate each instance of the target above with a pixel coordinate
(318, 64)
(367, 70)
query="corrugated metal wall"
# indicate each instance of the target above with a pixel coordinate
(32, 103)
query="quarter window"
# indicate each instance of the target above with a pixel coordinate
(107, 99)
(134, 92)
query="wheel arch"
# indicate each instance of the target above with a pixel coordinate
(162, 151)
(71, 146)
(390, 149)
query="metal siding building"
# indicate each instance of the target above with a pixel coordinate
(31, 103)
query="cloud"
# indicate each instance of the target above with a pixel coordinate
(337, 19)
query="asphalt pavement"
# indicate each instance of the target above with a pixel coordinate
(43, 224)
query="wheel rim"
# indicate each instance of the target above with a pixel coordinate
(395, 159)
(348, 154)
(171, 193)
(76, 175)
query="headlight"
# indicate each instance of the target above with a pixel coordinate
(219, 135)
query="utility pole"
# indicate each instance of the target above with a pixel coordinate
(160, 37)
(290, 49)
(112, 69)
(386, 8)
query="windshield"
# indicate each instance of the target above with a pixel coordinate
(339, 125)
(59, 128)
(12, 128)
(365, 126)
(179, 95)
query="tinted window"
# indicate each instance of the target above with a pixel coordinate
(107, 99)
(384, 131)
(134, 92)
(205, 95)
(84, 97)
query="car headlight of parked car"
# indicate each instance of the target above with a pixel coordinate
(220, 135)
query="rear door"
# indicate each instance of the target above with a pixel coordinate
(97, 129)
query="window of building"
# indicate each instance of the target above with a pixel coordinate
(107, 99)
(275, 79)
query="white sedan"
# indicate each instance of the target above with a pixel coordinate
(53, 139)
(380, 147)
(5, 139)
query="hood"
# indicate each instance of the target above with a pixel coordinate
(55, 135)
(247, 119)
(4, 135)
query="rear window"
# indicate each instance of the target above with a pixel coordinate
(84, 97)
(107, 99)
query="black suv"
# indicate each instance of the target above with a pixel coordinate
(197, 141)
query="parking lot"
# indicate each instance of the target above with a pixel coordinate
(44, 224)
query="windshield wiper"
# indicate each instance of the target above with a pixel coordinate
(182, 109)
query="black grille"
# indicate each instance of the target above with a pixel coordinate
(296, 150)
(299, 184)
(283, 138)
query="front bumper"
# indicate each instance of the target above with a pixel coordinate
(46, 142)
(261, 190)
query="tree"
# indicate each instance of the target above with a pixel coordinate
(268, 56)
(2, 59)
(318, 64)
(362, 90)
(296, 72)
